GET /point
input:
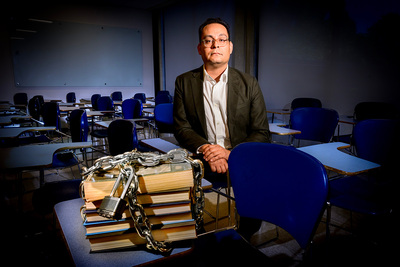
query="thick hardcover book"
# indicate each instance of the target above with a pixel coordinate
(132, 239)
(161, 178)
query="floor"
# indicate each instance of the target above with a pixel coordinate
(34, 239)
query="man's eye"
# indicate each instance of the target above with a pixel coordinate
(222, 40)
(207, 41)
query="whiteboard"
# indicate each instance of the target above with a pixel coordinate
(76, 54)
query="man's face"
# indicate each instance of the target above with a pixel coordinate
(215, 54)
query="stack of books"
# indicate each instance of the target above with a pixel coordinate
(165, 194)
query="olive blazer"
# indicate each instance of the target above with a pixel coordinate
(246, 112)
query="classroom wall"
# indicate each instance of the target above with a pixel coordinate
(313, 50)
(123, 17)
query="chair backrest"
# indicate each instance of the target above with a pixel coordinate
(305, 102)
(316, 124)
(163, 92)
(375, 110)
(21, 99)
(116, 96)
(163, 98)
(79, 126)
(132, 108)
(35, 106)
(51, 114)
(164, 118)
(281, 185)
(141, 97)
(105, 103)
(94, 99)
(71, 98)
(376, 140)
(122, 137)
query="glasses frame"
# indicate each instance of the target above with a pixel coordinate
(216, 42)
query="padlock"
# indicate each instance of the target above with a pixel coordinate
(112, 207)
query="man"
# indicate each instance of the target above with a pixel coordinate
(217, 107)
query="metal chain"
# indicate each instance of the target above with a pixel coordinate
(124, 162)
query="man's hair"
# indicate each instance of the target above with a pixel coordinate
(213, 20)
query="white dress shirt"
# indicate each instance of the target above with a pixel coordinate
(215, 102)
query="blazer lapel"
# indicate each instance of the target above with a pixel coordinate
(197, 90)
(233, 96)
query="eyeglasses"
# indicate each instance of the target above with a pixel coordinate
(218, 42)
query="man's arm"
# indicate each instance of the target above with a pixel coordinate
(185, 133)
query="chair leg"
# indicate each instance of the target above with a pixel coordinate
(328, 220)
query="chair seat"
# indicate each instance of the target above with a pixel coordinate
(358, 194)
(64, 159)
(99, 133)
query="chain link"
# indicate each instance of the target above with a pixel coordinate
(125, 161)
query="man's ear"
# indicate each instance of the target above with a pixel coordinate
(230, 47)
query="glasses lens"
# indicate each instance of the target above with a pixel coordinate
(219, 42)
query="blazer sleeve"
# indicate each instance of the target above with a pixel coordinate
(247, 116)
(187, 124)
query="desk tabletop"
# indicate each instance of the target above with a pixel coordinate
(10, 119)
(106, 124)
(34, 156)
(69, 217)
(159, 144)
(276, 128)
(16, 131)
(347, 119)
(333, 159)
(283, 111)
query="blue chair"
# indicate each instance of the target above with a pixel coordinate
(71, 98)
(315, 124)
(164, 118)
(122, 137)
(35, 106)
(105, 103)
(162, 98)
(132, 108)
(51, 114)
(141, 97)
(79, 127)
(372, 193)
(266, 189)
(116, 96)
(93, 100)
(305, 102)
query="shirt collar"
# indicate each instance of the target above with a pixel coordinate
(224, 76)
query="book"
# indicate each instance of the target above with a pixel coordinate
(162, 178)
(132, 239)
(91, 215)
(107, 228)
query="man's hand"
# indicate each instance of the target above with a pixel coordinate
(219, 166)
(212, 153)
